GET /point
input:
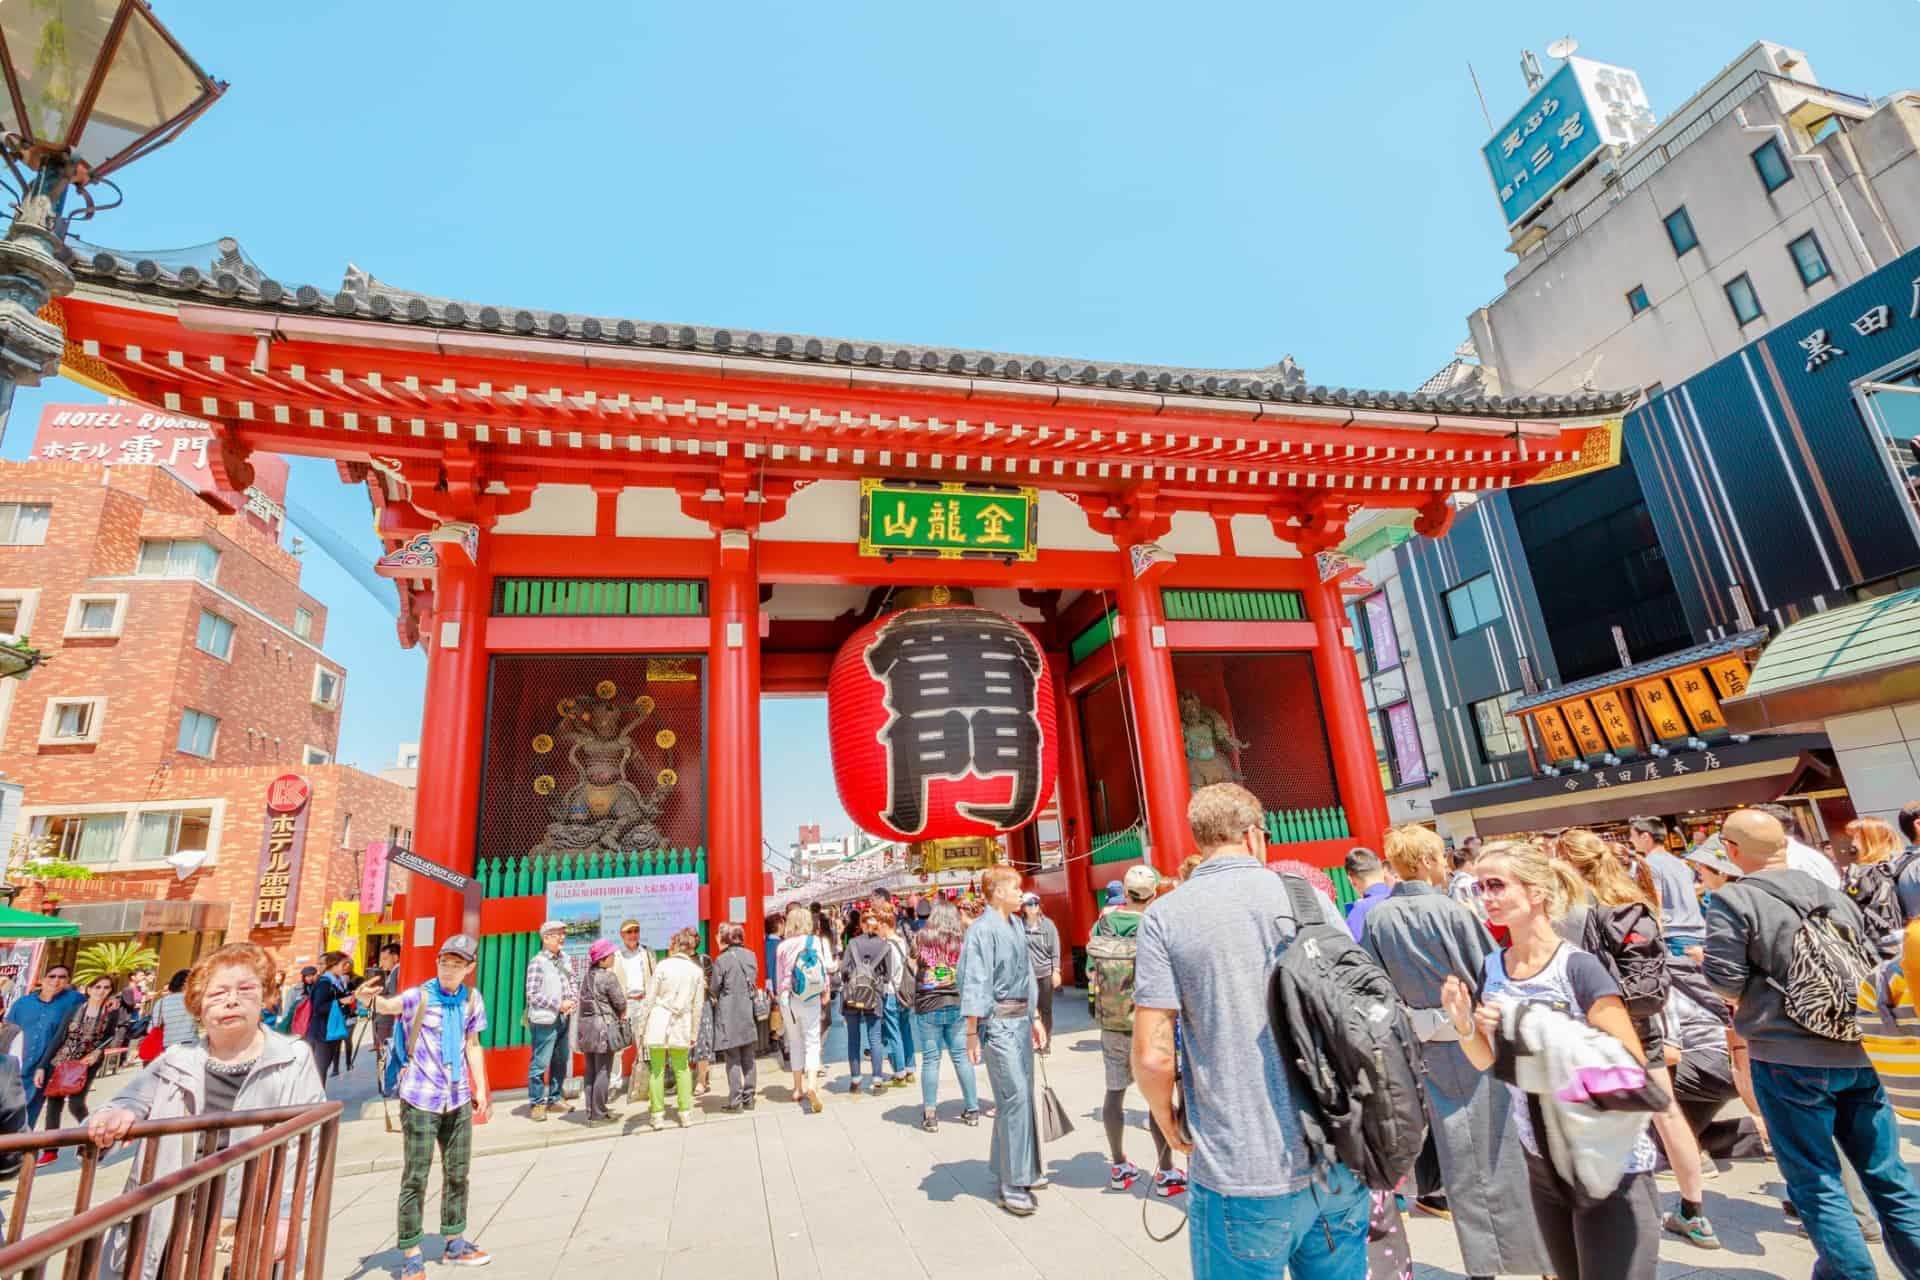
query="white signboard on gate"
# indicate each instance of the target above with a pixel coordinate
(593, 909)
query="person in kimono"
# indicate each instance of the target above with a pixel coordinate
(1420, 935)
(998, 998)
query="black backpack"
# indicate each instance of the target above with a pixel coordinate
(1872, 888)
(1626, 939)
(864, 991)
(1351, 1047)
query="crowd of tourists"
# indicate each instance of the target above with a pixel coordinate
(1513, 1036)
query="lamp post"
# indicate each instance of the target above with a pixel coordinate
(91, 85)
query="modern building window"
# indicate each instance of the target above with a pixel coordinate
(314, 755)
(1637, 300)
(1809, 259)
(23, 524)
(326, 688)
(1680, 232)
(215, 635)
(198, 733)
(1770, 162)
(1825, 127)
(96, 616)
(90, 838)
(1473, 604)
(1499, 735)
(72, 721)
(1744, 301)
(164, 832)
(303, 623)
(178, 558)
(1374, 633)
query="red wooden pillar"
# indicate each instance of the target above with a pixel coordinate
(733, 741)
(1355, 767)
(452, 738)
(1076, 830)
(1156, 715)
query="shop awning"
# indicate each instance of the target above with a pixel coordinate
(1855, 658)
(27, 924)
(1723, 776)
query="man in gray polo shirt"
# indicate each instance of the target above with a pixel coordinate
(1204, 954)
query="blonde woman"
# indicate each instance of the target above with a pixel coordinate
(674, 999)
(1610, 884)
(802, 968)
(1524, 891)
(1422, 937)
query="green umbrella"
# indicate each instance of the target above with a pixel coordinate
(15, 923)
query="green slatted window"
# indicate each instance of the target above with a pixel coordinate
(1092, 640)
(599, 598)
(1233, 606)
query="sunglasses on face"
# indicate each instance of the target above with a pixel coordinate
(1489, 886)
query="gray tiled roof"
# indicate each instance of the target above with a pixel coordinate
(1642, 670)
(220, 273)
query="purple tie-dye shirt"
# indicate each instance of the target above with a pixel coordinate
(423, 1081)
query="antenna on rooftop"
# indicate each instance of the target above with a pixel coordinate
(1563, 48)
(1530, 69)
(1485, 114)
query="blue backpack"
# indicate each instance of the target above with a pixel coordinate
(399, 1048)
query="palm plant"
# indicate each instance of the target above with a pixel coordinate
(111, 960)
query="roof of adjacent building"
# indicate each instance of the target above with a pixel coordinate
(222, 274)
(1691, 657)
(1855, 658)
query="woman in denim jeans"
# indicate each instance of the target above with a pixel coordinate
(936, 1003)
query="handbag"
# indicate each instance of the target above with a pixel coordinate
(66, 1079)
(153, 1042)
(762, 1004)
(1054, 1121)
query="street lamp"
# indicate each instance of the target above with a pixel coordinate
(91, 85)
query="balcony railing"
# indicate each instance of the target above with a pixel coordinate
(202, 1241)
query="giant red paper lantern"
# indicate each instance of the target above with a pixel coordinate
(942, 722)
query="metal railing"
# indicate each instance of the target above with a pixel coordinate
(261, 1241)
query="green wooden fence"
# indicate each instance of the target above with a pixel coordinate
(504, 956)
(599, 597)
(1234, 606)
(1121, 846)
(1294, 826)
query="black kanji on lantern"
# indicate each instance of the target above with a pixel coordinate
(962, 697)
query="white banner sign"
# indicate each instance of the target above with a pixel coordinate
(593, 909)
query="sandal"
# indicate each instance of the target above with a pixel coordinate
(930, 1122)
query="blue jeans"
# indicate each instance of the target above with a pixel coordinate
(1808, 1110)
(547, 1070)
(1316, 1234)
(863, 1025)
(945, 1029)
(899, 1035)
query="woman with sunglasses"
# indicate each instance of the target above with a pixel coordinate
(1617, 1237)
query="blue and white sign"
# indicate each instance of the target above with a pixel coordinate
(1585, 106)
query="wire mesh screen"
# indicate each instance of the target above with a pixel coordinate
(1254, 718)
(589, 756)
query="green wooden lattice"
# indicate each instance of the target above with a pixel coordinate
(599, 597)
(1233, 606)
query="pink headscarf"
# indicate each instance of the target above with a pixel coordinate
(1311, 874)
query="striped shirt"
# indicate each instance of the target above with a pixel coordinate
(1890, 1033)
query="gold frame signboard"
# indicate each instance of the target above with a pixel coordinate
(949, 520)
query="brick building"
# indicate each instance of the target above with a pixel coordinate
(185, 674)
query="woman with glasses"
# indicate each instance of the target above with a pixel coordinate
(95, 1026)
(1616, 1237)
(1474, 1171)
(239, 1066)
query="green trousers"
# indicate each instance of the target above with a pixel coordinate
(682, 1081)
(420, 1132)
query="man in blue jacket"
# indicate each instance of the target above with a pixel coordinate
(42, 1018)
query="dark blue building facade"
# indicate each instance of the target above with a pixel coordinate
(1776, 482)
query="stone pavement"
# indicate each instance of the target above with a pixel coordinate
(780, 1193)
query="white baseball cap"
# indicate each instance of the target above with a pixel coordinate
(1141, 882)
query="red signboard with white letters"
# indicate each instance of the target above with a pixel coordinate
(132, 434)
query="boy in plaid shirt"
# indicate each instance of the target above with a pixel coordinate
(443, 1094)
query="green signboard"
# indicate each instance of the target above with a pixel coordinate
(951, 521)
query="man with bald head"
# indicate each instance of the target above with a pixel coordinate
(1813, 1091)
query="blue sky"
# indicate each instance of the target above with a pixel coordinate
(1215, 185)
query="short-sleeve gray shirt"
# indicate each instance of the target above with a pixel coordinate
(1205, 950)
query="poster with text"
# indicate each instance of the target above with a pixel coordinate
(593, 909)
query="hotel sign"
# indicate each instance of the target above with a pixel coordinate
(278, 894)
(949, 521)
